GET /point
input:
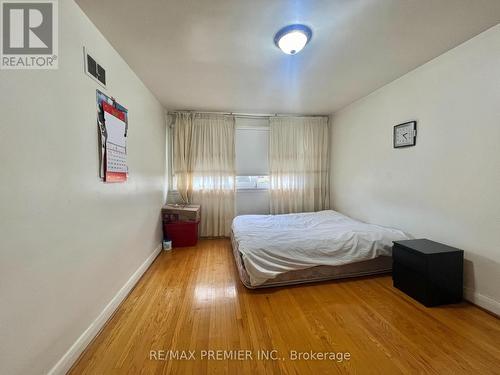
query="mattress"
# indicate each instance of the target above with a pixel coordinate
(273, 250)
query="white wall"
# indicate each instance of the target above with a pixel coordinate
(252, 202)
(69, 242)
(447, 187)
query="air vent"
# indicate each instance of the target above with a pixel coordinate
(94, 69)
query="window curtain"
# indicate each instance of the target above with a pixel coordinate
(298, 163)
(204, 168)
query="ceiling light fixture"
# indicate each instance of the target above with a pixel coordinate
(292, 38)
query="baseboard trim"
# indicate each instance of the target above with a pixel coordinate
(480, 300)
(74, 352)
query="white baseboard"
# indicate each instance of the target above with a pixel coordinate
(486, 303)
(70, 357)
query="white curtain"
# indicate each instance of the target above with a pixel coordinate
(204, 168)
(298, 163)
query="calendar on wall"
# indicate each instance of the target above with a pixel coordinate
(112, 122)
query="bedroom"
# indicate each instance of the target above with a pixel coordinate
(312, 135)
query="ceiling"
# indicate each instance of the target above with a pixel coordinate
(218, 55)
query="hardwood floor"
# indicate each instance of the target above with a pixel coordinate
(191, 299)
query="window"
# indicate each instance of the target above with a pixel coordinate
(242, 183)
(207, 182)
(252, 182)
(252, 156)
(252, 161)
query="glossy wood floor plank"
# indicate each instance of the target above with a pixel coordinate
(191, 299)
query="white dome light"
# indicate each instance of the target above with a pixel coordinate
(291, 39)
(293, 42)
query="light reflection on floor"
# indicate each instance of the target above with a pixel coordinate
(211, 293)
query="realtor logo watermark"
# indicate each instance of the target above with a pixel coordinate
(29, 34)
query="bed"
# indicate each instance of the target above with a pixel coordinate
(274, 250)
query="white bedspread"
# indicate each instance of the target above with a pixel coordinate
(274, 244)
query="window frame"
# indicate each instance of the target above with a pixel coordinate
(256, 188)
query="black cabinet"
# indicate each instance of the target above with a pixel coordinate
(430, 272)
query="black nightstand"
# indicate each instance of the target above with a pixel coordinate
(430, 272)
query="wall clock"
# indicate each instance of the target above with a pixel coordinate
(405, 134)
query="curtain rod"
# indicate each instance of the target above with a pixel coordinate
(240, 114)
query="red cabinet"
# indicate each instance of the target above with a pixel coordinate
(180, 224)
(181, 233)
